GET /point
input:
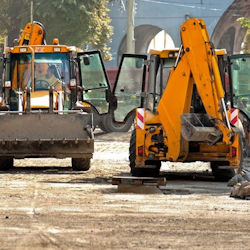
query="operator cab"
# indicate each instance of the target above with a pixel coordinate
(133, 87)
(240, 79)
(51, 70)
(47, 65)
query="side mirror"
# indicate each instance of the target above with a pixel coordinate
(7, 84)
(72, 83)
(86, 60)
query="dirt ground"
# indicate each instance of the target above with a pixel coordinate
(44, 204)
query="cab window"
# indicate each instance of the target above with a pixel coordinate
(240, 75)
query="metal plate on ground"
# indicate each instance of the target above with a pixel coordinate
(132, 180)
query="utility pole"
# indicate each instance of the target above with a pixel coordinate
(130, 27)
(31, 11)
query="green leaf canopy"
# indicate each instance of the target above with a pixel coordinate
(74, 22)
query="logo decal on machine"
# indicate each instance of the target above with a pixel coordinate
(140, 118)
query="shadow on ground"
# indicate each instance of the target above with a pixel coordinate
(177, 183)
(41, 170)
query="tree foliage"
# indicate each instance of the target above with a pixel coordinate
(80, 23)
(11, 16)
(245, 23)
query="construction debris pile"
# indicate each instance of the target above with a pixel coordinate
(240, 184)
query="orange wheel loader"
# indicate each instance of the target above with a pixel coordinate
(39, 97)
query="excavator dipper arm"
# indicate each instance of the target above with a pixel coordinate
(197, 66)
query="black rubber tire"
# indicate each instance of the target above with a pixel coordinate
(102, 127)
(96, 118)
(81, 164)
(227, 174)
(142, 171)
(6, 163)
(221, 174)
(245, 155)
(110, 125)
(246, 126)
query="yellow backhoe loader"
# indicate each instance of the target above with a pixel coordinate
(183, 116)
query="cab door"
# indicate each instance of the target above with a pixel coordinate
(94, 80)
(114, 109)
(129, 86)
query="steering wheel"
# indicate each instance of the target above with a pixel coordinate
(42, 85)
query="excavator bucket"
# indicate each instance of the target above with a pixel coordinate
(46, 135)
(199, 127)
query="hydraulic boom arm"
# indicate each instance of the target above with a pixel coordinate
(197, 66)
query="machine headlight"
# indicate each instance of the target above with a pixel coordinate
(72, 83)
(23, 49)
(7, 84)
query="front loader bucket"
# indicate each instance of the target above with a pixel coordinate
(46, 135)
(199, 127)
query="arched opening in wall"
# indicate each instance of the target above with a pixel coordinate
(227, 40)
(161, 41)
(228, 24)
(145, 36)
